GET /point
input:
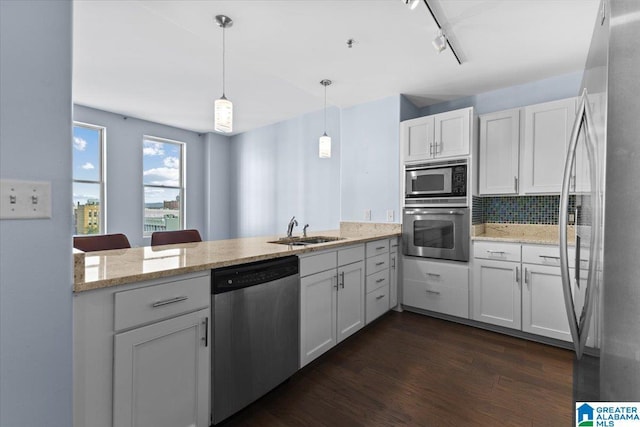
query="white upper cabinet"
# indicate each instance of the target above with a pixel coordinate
(499, 152)
(547, 129)
(438, 136)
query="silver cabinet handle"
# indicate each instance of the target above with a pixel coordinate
(205, 323)
(169, 301)
(393, 262)
(380, 297)
(490, 252)
(515, 183)
(337, 282)
(380, 247)
(518, 275)
(549, 256)
(380, 280)
(433, 274)
(378, 264)
(526, 276)
(436, 148)
(342, 277)
(429, 291)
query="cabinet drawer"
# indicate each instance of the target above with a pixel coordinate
(547, 255)
(154, 303)
(497, 250)
(350, 255)
(377, 303)
(377, 280)
(393, 245)
(377, 247)
(443, 297)
(316, 263)
(377, 263)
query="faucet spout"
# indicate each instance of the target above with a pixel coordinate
(304, 230)
(292, 223)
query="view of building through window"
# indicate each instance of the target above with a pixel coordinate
(88, 180)
(163, 184)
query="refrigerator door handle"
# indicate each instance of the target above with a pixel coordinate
(580, 327)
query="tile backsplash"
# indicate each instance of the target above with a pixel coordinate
(518, 209)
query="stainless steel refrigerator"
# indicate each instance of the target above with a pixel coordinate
(602, 179)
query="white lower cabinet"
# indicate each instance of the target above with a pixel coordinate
(525, 291)
(142, 355)
(161, 374)
(332, 299)
(437, 286)
(496, 292)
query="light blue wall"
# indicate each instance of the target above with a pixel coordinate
(370, 160)
(217, 182)
(408, 110)
(276, 174)
(35, 255)
(124, 171)
(551, 89)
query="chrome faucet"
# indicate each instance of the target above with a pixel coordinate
(292, 223)
(304, 230)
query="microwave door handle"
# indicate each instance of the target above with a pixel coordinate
(436, 212)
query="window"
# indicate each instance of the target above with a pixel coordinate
(88, 178)
(163, 182)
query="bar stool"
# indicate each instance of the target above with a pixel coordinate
(173, 237)
(101, 242)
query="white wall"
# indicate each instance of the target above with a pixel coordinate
(35, 255)
(218, 187)
(124, 171)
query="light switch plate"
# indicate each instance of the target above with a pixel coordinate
(25, 199)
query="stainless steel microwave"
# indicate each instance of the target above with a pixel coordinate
(443, 182)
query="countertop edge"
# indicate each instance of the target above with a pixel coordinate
(79, 287)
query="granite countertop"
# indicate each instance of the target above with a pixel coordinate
(103, 269)
(520, 233)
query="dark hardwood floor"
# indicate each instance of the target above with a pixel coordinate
(409, 369)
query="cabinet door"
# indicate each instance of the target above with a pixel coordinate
(317, 314)
(452, 133)
(161, 374)
(416, 137)
(543, 309)
(393, 279)
(547, 129)
(496, 293)
(499, 152)
(351, 292)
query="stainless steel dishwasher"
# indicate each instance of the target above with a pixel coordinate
(256, 310)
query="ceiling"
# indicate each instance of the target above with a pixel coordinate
(161, 60)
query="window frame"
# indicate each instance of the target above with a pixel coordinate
(102, 151)
(182, 174)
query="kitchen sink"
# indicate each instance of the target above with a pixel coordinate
(304, 241)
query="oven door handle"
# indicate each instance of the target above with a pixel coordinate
(436, 212)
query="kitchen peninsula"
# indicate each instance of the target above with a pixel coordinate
(116, 267)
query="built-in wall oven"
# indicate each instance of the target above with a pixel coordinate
(441, 233)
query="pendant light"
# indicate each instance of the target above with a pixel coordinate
(223, 107)
(324, 148)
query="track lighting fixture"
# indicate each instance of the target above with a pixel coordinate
(411, 4)
(440, 42)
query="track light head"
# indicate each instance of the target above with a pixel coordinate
(411, 4)
(440, 42)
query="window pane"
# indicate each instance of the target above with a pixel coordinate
(161, 163)
(86, 208)
(161, 209)
(86, 153)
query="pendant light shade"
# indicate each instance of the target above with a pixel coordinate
(324, 144)
(223, 115)
(223, 108)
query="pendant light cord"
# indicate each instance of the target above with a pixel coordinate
(325, 109)
(223, 61)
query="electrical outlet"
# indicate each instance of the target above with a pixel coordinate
(367, 214)
(390, 215)
(25, 199)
